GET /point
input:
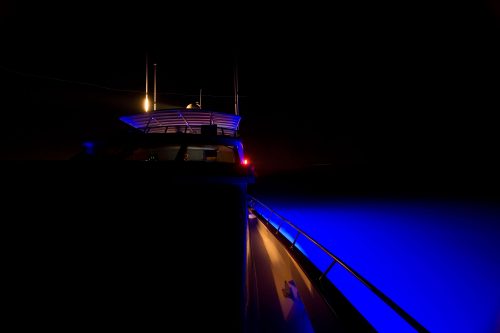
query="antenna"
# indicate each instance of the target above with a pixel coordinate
(154, 98)
(200, 99)
(146, 101)
(236, 93)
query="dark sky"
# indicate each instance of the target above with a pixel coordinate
(364, 85)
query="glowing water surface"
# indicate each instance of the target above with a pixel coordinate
(439, 260)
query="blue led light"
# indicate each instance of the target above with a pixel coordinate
(89, 147)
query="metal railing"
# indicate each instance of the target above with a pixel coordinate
(396, 308)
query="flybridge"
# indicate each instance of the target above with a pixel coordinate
(184, 121)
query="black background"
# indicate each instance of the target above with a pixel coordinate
(360, 91)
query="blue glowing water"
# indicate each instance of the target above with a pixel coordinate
(440, 261)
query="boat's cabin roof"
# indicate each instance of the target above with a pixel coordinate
(189, 121)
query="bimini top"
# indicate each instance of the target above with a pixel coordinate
(190, 121)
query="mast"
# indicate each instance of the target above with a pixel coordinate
(146, 101)
(154, 98)
(236, 92)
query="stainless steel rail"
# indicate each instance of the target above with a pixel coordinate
(253, 203)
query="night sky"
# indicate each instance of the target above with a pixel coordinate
(408, 91)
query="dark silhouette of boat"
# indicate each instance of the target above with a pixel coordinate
(154, 229)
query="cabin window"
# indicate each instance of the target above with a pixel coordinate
(187, 153)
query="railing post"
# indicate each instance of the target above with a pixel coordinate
(327, 270)
(268, 218)
(295, 240)
(279, 227)
(146, 130)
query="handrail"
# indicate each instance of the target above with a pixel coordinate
(396, 308)
(185, 121)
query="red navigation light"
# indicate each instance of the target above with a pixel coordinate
(245, 162)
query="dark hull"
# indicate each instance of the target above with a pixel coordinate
(120, 247)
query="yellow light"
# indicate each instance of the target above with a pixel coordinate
(146, 104)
